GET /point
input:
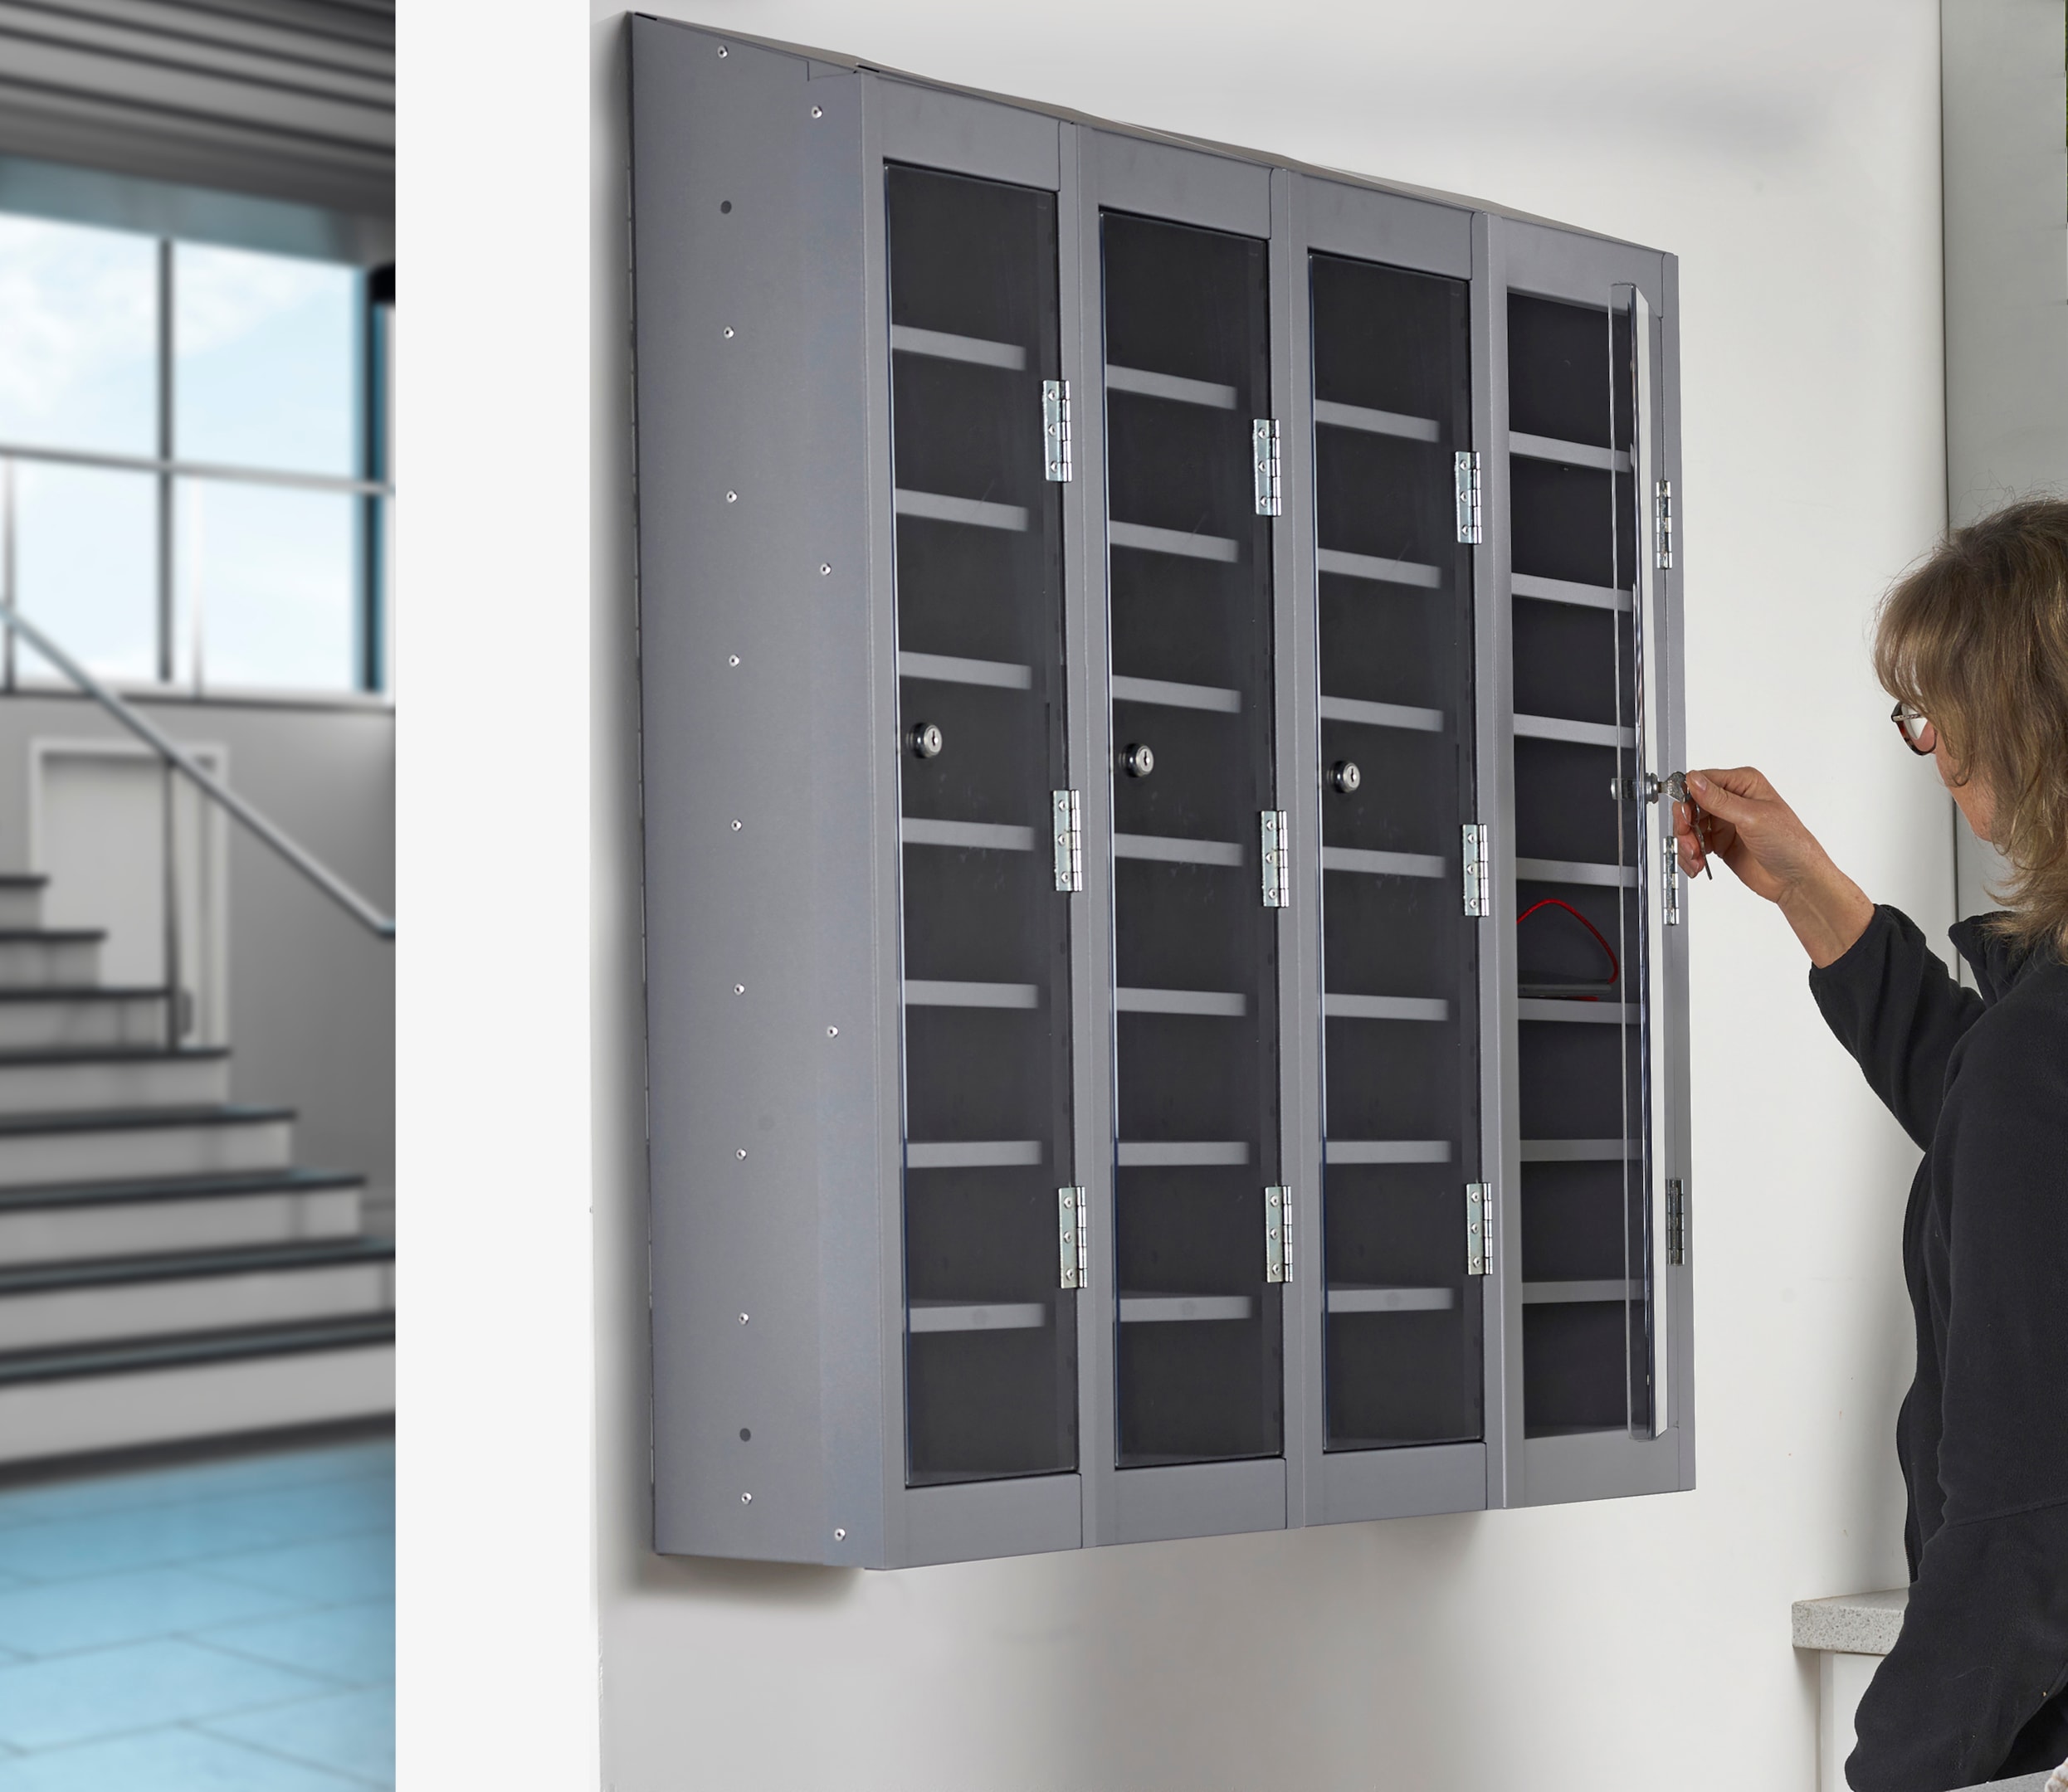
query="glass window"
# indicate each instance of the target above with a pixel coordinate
(79, 318)
(86, 564)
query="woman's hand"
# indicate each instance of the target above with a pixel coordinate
(1740, 817)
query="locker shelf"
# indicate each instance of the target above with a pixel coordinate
(937, 507)
(923, 994)
(1184, 1309)
(1385, 1007)
(942, 345)
(946, 669)
(1327, 412)
(1140, 382)
(956, 1316)
(1215, 1003)
(1164, 541)
(972, 1154)
(1349, 1298)
(1169, 695)
(1383, 864)
(1384, 715)
(1575, 871)
(1369, 566)
(1387, 1151)
(1577, 1149)
(1557, 1294)
(1181, 1154)
(1165, 851)
(1577, 733)
(1568, 453)
(983, 836)
(1565, 592)
(1600, 1013)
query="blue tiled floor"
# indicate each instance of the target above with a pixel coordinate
(226, 1625)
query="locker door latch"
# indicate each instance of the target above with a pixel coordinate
(1467, 478)
(1069, 840)
(1479, 871)
(1056, 430)
(1479, 1228)
(1264, 460)
(1278, 1258)
(1277, 885)
(1075, 1237)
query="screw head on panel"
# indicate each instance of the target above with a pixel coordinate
(824, 569)
(839, 1533)
(725, 205)
(732, 659)
(735, 824)
(741, 1153)
(746, 1499)
(743, 1318)
(832, 1032)
(746, 1435)
(739, 989)
(732, 497)
(817, 113)
(723, 51)
(729, 333)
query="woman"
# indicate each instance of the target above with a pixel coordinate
(1973, 646)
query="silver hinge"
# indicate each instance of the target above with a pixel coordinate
(1075, 1237)
(1277, 885)
(1669, 881)
(1676, 1221)
(1479, 872)
(1069, 840)
(1662, 522)
(1056, 429)
(1278, 1258)
(1467, 478)
(1264, 459)
(1479, 1228)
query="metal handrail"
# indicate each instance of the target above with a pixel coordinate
(173, 754)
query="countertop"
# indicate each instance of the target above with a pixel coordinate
(1854, 1623)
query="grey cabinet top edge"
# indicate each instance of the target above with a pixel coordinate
(824, 62)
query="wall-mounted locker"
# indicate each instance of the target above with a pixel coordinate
(1166, 1010)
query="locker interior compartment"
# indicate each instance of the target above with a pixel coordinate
(1199, 1352)
(991, 1340)
(1392, 385)
(1581, 965)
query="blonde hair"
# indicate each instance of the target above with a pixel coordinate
(1977, 639)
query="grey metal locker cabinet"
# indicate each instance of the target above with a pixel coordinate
(1592, 977)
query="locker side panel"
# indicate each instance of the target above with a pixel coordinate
(772, 1064)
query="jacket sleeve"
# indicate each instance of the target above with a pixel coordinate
(1896, 1008)
(1984, 1642)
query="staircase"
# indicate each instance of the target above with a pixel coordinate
(166, 1271)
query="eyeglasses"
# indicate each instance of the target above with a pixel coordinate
(1919, 735)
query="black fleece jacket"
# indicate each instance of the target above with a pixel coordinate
(1977, 1687)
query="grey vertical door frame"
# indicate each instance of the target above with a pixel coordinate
(959, 134)
(1567, 265)
(1335, 217)
(1181, 185)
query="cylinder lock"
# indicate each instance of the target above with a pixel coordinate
(1346, 777)
(927, 740)
(1138, 762)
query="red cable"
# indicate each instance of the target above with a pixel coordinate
(1615, 969)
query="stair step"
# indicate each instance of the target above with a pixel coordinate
(44, 1020)
(69, 1306)
(49, 957)
(77, 1401)
(74, 1221)
(100, 1145)
(21, 900)
(113, 1076)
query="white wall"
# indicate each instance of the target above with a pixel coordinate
(1787, 150)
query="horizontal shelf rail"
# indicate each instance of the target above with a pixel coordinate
(1145, 384)
(1576, 1149)
(1599, 1013)
(1219, 1004)
(1568, 453)
(945, 668)
(1371, 568)
(942, 345)
(1327, 412)
(1573, 733)
(1148, 539)
(977, 512)
(1388, 715)
(921, 993)
(1576, 871)
(1374, 864)
(1568, 592)
(1351, 1298)
(985, 1316)
(1184, 1309)
(1560, 1293)
(984, 836)
(1180, 1154)
(1410, 1151)
(972, 1154)
(1174, 696)
(1427, 1008)
(1166, 849)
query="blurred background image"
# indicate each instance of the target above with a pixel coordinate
(197, 344)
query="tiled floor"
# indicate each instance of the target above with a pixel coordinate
(226, 1625)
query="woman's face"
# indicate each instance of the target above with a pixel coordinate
(1972, 798)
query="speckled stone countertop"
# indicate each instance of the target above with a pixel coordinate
(1854, 1623)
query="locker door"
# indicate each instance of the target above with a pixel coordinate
(991, 1359)
(1598, 947)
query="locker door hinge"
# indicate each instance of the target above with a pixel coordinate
(1479, 871)
(1264, 459)
(1278, 1255)
(1479, 1228)
(1277, 885)
(1056, 429)
(1467, 476)
(1076, 1236)
(1676, 1221)
(1662, 522)
(1670, 882)
(1069, 840)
